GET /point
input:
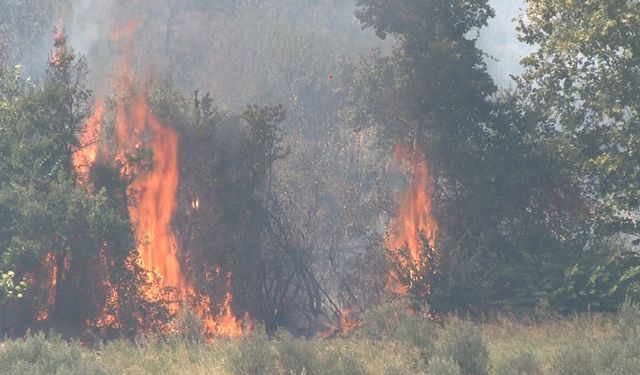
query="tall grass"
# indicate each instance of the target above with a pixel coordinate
(390, 341)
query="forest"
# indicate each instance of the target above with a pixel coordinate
(320, 186)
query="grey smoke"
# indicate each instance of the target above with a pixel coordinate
(500, 41)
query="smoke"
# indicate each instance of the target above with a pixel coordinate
(243, 52)
(500, 41)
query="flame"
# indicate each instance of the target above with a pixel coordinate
(59, 42)
(414, 216)
(155, 190)
(347, 323)
(139, 130)
(139, 136)
(86, 155)
(51, 267)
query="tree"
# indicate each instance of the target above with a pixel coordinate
(72, 243)
(506, 198)
(584, 78)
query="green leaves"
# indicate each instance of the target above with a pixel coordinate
(585, 77)
(10, 289)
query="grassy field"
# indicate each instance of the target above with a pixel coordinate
(388, 342)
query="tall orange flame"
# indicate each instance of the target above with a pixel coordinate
(155, 190)
(414, 216)
(140, 134)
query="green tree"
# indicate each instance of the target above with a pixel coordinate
(506, 199)
(584, 77)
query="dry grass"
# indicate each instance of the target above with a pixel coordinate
(404, 346)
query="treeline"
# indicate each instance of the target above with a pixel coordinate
(535, 188)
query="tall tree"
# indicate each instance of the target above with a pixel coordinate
(584, 77)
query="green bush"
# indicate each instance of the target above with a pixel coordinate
(523, 363)
(382, 321)
(253, 355)
(342, 361)
(628, 321)
(577, 357)
(443, 366)
(418, 332)
(190, 326)
(39, 355)
(394, 321)
(298, 356)
(464, 343)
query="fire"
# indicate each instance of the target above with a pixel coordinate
(227, 324)
(155, 190)
(86, 155)
(138, 130)
(414, 216)
(147, 153)
(60, 51)
(51, 267)
(347, 323)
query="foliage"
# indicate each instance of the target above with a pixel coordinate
(524, 363)
(443, 366)
(46, 355)
(10, 289)
(598, 282)
(254, 356)
(582, 77)
(465, 345)
(580, 345)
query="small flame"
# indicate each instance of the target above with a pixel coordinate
(347, 323)
(86, 155)
(60, 44)
(51, 267)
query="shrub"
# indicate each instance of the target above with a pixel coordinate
(577, 357)
(189, 326)
(297, 356)
(382, 322)
(418, 332)
(342, 361)
(38, 355)
(253, 355)
(465, 344)
(628, 321)
(443, 366)
(397, 322)
(523, 363)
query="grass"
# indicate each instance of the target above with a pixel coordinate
(389, 342)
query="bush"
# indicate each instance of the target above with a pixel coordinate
(443, 366)
(524, 363)
(382, 322)
(39, 355)
(189, 326)
(628, 321)
(253, 355)
(418, 332)
(342, 361)
(396, 322)
(298, 356)
(465, 344)
(578, 357)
